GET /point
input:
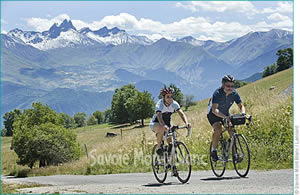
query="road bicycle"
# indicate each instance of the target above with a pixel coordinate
(237, 144)
(176, 157)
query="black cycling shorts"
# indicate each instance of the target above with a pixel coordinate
(212, 118)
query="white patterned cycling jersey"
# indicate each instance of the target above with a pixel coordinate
(166, 111)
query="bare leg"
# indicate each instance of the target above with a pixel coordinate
(230, 131)
(216, 135)
(159, 130)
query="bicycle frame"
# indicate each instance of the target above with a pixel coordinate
(228, 149)
(172, 134)
(234, 134)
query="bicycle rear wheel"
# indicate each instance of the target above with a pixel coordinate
(218, 167)
(183, 164)
(241, 155)
(158, 166)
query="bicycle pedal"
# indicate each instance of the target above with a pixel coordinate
(174, 175)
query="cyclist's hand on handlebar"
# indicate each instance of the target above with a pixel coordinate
(166, 128)
(189, 129)
(188, 125)
(228, 121)
(248, 116)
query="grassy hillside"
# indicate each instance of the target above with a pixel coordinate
(270, 138)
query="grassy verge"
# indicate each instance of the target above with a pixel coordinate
(12, 188)
(270, 138)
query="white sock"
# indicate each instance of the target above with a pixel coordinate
(213, 149)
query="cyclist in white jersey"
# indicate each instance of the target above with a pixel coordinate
(161, 120)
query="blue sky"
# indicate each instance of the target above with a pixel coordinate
(219, 20)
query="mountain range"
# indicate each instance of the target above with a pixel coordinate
(38, 66)
(66, 35)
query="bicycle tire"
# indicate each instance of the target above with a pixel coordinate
(183, 162)
(217, 167)
(242, 161)
(159, 170)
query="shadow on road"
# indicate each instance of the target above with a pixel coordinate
(221, 178)
(14, 177)
(161, 184)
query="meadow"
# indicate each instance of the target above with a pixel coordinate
(270, 137)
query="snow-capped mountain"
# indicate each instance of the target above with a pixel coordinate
(191, 40)
(86, 62)
(66, 35)
(55, 30)
(8, 42)
(114, 36)
(58, 36)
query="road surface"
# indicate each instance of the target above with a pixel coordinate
(275, 181)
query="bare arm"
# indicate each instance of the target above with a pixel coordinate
(161, 121)
(242, 108)
(183, 117)
(217, 112)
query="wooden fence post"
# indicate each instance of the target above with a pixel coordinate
(87, 155)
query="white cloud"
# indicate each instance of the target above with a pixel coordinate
(219, 6)
(277, 16)
(282, 7)
(283, 25)
(156, 37)
(198, 27)
(81, 24)
(123, 20)
(280, 22)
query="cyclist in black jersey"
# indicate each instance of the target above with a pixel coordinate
(218, 109)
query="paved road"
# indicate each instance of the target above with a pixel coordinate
(276, 181)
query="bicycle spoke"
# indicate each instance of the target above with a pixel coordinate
(218, 167)
(158, 166)
(182, 162)
(241, 156)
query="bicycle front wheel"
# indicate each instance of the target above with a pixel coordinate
(241, 155)
(183, 164)
(218, 167)
(158, 166)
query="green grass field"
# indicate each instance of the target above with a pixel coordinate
(270, 138)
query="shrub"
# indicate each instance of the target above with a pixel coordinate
(99, 116)
(39, 136)
(69, 121)
(8, 120)
(271, 137)
(92, 121)
(80, 119)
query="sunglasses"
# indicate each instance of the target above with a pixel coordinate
(169, 97)
(229, 86)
